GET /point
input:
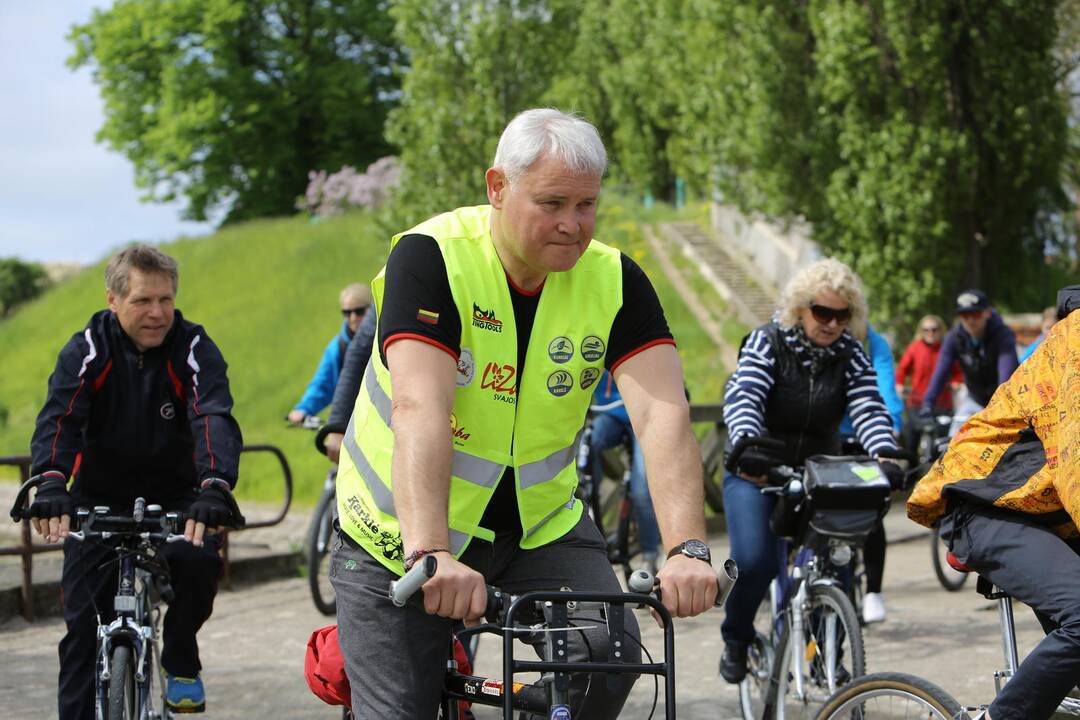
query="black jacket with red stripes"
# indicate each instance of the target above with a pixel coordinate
(127, 424)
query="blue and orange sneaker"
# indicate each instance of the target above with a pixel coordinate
(184, 695)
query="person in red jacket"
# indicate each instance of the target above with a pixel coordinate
(919, 360)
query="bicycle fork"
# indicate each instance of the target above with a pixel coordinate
(797, 646)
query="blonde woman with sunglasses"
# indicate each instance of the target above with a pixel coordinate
(797, 375)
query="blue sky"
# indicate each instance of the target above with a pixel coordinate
(63, 197)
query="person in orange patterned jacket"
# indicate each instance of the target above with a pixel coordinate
(1005, 498)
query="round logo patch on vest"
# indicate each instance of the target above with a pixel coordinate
(561, 349)
(560, 382)
(168, 411)
(466, 368)
(592, 348)
(588, 377)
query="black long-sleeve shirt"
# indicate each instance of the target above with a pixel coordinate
(126, 424)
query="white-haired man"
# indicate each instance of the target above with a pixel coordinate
(494, 324)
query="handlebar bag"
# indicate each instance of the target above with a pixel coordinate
(845, 483)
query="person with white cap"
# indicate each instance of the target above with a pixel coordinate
(984, 347)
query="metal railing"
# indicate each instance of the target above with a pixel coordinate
(26, 548)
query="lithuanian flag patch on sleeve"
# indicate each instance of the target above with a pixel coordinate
(427, 316)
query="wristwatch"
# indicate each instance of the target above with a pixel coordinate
(692, 549)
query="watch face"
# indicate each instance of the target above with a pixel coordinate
(696, 549)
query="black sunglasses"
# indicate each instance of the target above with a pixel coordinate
(825, 315)
(346, 312)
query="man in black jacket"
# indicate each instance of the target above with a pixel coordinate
(138, 406)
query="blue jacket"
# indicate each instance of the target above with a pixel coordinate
(881, 357)
(1030, 349)
(608, 392)
(320, 391)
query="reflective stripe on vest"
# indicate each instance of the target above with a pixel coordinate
(380, 493)
(471, 468)
(540, 471)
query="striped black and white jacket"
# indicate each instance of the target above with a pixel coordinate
(772, 393)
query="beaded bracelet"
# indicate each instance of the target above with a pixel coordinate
(417, 554)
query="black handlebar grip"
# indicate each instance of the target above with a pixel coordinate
(745, 443)
(323, 431)
(19, 511)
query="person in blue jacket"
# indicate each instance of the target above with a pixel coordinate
(355, 300)
(873, 605)
(1049, 319)
(608, 431)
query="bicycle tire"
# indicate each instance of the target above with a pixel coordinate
(861, 699)
(825, 602)
(951, 580)
(121, 684)
(318, 550)
(754, 688)
(856, 589)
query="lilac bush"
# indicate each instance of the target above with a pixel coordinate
(346, 189)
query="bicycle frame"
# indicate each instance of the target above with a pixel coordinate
(138, 615)
(552, 692)
(135, 625)
(1068, 706)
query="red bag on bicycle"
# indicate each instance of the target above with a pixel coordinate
(324, 668)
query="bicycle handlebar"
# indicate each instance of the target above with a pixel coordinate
(641, 581)
(597, 409)
(19, 511)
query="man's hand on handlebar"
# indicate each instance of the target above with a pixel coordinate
(211, 512)
(333, 446)
(456, 591)
(51, 510)
(688, 586)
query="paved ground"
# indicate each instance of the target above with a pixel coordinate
(253, 648)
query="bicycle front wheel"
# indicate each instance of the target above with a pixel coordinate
(318, 553)
(828, 654)
(121, 684)
(951, 580)
(890, 696)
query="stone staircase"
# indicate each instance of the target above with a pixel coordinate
(729, 273)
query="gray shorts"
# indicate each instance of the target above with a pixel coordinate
(395, 658)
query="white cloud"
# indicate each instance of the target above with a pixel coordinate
(62, 195)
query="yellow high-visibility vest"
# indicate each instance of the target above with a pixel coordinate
(531, 421)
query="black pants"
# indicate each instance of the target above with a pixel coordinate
(874, 558)
(89, 579)
(395, 658)
(1040, 569)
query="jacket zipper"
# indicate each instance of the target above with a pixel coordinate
(809, 412)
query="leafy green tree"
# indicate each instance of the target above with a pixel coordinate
(922, 140)
(19, 282)
(230, 103)
(620, 75)
(473, 66)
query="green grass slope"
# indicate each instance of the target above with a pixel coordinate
(266, 292)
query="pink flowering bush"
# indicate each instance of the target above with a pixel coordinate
(346, 189)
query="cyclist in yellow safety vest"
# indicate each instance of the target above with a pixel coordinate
(494, 323)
